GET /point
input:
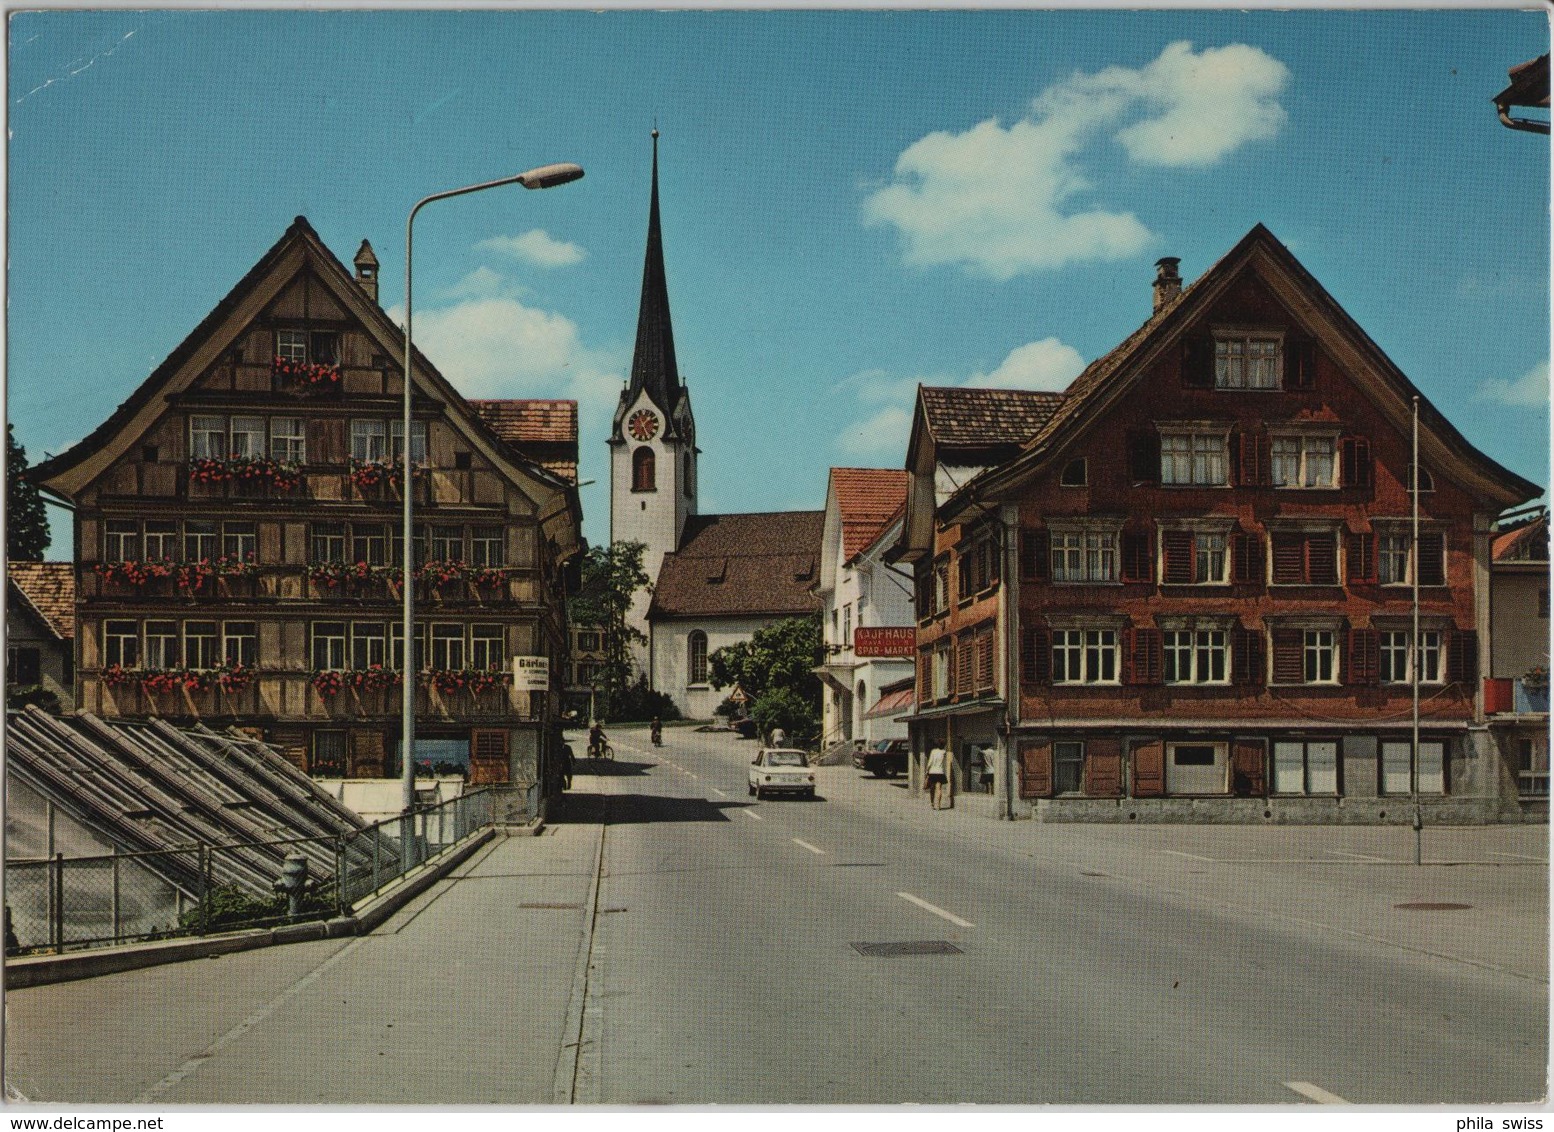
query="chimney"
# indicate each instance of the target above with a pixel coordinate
(367, 270)
(1168, 284)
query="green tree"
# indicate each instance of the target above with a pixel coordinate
(612, 575)
(775, 668)
(26, 522)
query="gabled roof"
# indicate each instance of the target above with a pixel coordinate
(1529, 85)
(749, 565)
(866, 499)
(544, 431)
(49, 589)
(298, 249)
(962, 417)
(1109, 377)
(1527, 543)
(146, 785)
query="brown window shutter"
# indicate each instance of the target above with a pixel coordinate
(1177, 550)
(1355, 453)
(488, 744)
(1248, 758)
(985, 682)
(965, 659)
(1361, 558)
(1037, 655)
(1246, 562)
(1137, 559)
(1246, 656)
(1253, 467)
(1144, 456)
(1149, 769)
(1289, 559)
(1432, 558)
(1198, 363)
(1144, 656)
(1288, 659)
(1364, 657)
(1035, 769)
(924, 677)
(1462, 657)
(1322, 560)
(1300, 363)
(1035, 554)
(1103, 768)
(326, 441)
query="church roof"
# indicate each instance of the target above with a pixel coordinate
(544, 431)
(653, 362)
(867, 499)
(50, 589)
(755, 565)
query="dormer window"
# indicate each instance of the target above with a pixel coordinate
(1075, 473)
(1246, 361)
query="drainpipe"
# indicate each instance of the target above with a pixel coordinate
(1009, 623)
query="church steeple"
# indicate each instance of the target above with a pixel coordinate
(653, 366)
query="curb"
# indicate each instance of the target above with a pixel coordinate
(41, 970)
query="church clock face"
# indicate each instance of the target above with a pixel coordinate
(643, 424)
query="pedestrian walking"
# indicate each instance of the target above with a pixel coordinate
(779, 737)
(937, 778)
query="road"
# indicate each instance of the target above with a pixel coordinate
(671, 940)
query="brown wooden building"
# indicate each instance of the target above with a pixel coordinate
(1205, 564)
(238, 536)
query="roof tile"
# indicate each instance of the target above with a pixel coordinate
(962, 417)
(50, 587)
(867, 500)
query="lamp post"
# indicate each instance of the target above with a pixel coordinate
(545, 177)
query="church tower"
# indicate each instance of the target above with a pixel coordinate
(653, 440)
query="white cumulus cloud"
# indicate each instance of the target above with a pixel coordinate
(1047, 365)
(1002, 200)
(1532, 388)
(536, 246)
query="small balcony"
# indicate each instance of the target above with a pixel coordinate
(1516, 695)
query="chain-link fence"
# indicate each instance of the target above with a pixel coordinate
(59, 903)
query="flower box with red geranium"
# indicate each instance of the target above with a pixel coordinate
(135, 573)
(474, 680)
(439, 573)
(209, 469)
(116, 675)
(328, 682)
(233, 678)
(306, 377)
(375, 678)
(236, 566)
(487, 577)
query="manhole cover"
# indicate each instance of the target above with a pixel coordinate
(1433, 906)
(907, 947)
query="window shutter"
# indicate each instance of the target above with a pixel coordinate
(1137, 559)
(1144, 456)
(1322, 560)
(1036, 661)
(1035, 769)
(1432, 558)
(1246, 656)
(326, 441)
(1035, 554)
(1248, 757)
(924, 678)
(1355, 452)
(1288, 665)
(1103, 768)
(965, 665)
(1364, 657)
(1144, 656)
(1177, 548)
(1289, 559)
(1253, 468)
(1361, 558)
(488, 743)
(1300, 363)
(984, 646)
(1149, 769)
(1246, 561)
(1462, 657)
(1198, 363)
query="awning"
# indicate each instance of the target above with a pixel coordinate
(839, 676)
(974, 707)
(890, 704)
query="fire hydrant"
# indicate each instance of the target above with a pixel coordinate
(294, 882)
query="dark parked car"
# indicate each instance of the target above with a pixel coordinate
(882, 758)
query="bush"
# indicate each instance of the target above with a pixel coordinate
(638, 704)
(788, 709)
(728, 709)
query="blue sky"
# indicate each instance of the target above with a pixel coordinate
(853, 202)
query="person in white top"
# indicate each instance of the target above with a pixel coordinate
(937, 778)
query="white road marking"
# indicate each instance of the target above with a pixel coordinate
(1189, 856)
(1312, 1092)
(811, 848)
(936, 910)
(752, 814)
(1520, 856)
(1356, 856)
(719, 793)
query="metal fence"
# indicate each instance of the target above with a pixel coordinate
(57, 904)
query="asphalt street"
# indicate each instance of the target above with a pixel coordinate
(669, 939)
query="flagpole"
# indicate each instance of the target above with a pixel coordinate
(1415, 657)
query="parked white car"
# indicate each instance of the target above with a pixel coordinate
(781, 770)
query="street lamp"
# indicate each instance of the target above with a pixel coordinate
(545, 177)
